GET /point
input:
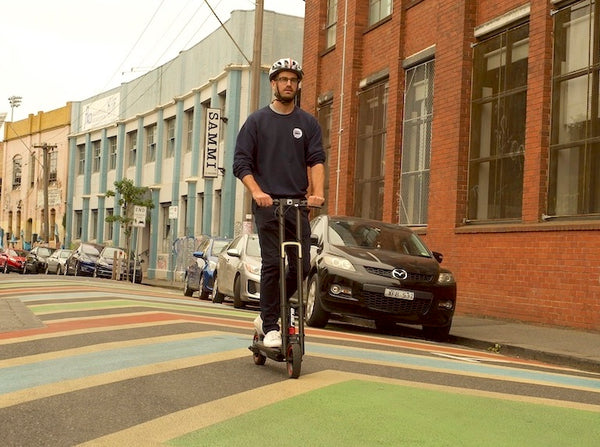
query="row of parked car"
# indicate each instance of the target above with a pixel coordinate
(87, 259)
(359, 268)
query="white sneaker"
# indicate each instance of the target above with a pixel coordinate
(258, 326)
(272, 339)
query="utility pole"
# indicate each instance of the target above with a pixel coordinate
(15, 101)
(46, 174)
(254, 95)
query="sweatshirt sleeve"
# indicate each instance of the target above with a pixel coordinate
(245, 148)
(315, 153)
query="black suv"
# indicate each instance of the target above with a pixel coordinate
(36, 259)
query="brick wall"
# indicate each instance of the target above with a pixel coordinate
(535, 271)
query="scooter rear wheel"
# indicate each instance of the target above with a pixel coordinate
(294, 360)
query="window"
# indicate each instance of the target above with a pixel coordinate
(17, 166)
(331, 25)
(379, 10)
(78, 224)
(81, 159)
(167, 234)
(52, 174)
(132, 147)
(416, 144)
(53, 234)
(33, 162)
(109, 225)
(151, 143)
(498, 126)
(170, 146)
(94, 226)
(97, 156)
(189, 124)
(112, 153)
(325, 120)
(370, 152)
(574, 186)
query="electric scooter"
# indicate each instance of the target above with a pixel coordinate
(292, 316)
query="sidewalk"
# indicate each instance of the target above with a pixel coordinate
(566, 347)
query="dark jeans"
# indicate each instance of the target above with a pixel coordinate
(268, 235)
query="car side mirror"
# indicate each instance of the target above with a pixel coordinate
(234, 252)
(438, 256)
(314, 240)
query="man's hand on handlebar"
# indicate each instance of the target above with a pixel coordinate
(316, 201)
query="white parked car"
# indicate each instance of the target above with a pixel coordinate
(56, 261)
(238, 272)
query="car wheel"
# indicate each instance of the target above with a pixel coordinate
(315, 316)
(437, 333)
(186, 287)
(237, 294)
(218, 297)
(202, 288)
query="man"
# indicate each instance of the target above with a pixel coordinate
(279, 154)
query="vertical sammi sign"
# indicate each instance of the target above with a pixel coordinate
(211, 151)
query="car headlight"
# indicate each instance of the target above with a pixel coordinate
(252, 268)
(338, 263)
(445, 278)
(103, 263)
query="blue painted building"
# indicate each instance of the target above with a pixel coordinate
(172, 130)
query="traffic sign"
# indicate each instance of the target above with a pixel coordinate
(139, 216)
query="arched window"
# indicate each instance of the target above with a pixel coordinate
(17, 166)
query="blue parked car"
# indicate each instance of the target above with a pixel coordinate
(82, 261)
(199, 275)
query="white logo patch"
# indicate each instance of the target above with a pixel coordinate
(297, 133)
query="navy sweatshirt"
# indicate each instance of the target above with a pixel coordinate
(276, 149)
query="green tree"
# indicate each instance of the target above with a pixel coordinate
(129, 197)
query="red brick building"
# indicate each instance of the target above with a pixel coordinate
(477, 123)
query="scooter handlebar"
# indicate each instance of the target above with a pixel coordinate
(302, 203)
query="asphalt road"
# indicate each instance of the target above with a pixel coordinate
(97, 362)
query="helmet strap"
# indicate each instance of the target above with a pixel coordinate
(280, 99)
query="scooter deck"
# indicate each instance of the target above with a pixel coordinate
(272, 353)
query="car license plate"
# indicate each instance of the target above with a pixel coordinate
(400, 294)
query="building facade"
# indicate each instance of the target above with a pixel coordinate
(173, 131)
(31, 146)
(477, 124)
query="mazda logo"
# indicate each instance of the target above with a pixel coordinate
(399, 274)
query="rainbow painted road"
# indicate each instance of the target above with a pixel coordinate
(102, 363)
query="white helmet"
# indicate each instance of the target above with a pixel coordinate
(285, 65)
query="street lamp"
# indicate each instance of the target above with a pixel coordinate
(15, 101)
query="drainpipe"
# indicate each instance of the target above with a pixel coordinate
(340, 128)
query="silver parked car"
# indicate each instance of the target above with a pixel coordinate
(238, 272)
(56, 261)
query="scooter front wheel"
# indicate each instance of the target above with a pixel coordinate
(258, 357)
(294, 360)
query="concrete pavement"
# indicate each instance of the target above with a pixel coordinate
(567, 347)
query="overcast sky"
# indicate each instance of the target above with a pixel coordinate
(55, 51)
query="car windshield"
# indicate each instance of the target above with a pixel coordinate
(64, 254)
(90, 250)
(253, 247)
(43, 251)
(219, 246)
(109, 252)
(370, 235)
